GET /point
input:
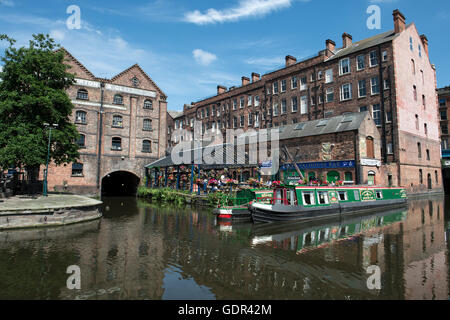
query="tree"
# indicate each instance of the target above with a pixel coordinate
(33, 87)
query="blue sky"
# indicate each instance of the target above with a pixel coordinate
(190, 47)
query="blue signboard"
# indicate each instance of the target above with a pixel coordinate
(321, 165)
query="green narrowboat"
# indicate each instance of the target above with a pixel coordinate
(237, 209)
(302, 203)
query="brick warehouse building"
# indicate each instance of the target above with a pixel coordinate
(390, 75)
(444, 113)
(122, 124)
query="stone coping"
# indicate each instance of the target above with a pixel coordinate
(40, 204)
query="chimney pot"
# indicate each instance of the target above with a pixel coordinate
(290, 60)
(347, 40)
(399, 21)
(424, 42)
(245, 81)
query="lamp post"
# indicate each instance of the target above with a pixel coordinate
(48, 155)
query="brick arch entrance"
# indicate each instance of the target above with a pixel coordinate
(120, 183)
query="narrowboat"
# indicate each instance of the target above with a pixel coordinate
(305, 203)
(237, 209)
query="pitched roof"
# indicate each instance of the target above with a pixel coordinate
(175, 114)
(67, 53)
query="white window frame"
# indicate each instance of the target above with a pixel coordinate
(283, 86)
(283, 106)
(256, 101)
(343, 90)
(296, 104)
(304, 105)
(359, 88)
(342, 66)
(373, 85)
(363, 62)
(328, 92)
(329, 76)
(370, 59)
(303, 85)
(292, 82)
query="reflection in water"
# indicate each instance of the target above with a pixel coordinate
(141, 251)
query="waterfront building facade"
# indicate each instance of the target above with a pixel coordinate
(444, 115)
(389, 75)
(122, 126)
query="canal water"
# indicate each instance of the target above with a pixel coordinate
(143, 251)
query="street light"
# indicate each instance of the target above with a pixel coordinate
(48, 155)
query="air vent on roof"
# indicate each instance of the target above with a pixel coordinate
(347, 119)
(300, 126)
(322, 123)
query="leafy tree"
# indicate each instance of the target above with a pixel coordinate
(33, 87)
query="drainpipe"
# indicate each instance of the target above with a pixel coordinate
(357, 160)
(100, 135)
(383, 111)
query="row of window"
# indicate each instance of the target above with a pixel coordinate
(116, 144)
(82, 94)
(80, 118)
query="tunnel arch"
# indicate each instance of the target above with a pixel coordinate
(120, 183)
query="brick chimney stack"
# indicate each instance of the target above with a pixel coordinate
(290, 60)
(221, 89)
(347, 40)
(255, 77)
(245, 81)
(424, 42)
(399, 21)
(330, 45)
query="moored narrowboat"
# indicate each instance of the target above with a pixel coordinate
(237, 209)
(304, 203)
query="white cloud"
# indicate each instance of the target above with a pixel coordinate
(7, 3)
(245, 9)
(58, 35)
(266, 63)
(203, 57)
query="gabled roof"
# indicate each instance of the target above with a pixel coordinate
(144, 73)
(365, 44)
(67, 53)
(175, 114)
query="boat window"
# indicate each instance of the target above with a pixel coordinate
(292, 199)
(308, 198)
(343, 196)
(323, 197)
(278, 196)
(379, 194)
(357, 195)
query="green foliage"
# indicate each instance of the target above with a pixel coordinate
(216, 198)
(165, 195)
(33, 87)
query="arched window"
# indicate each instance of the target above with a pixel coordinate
(117, 121)
(419, 150)
(147, 146)
(80, 117)
(370, 148)
(147, 125)
(116, 144)
(413, 66)
(415, 93)
(118, 99)
(81, 141)
(148, 104)
(82, 94)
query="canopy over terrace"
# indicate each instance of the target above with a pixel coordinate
(189, 161)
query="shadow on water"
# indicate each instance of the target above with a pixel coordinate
(146, 251)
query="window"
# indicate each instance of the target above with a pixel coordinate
(361, 64)
(275, 109)
(442, 103)
(390, 149)
(303, 83)
(294, 82)
(385, 55)
(249, 100)
(234, 104)
(363, 109)
(81, 142)
(413, 66)
(250, 119)
(304, 105)
(148, 104)
(118, 99)
(148, 125)
(80, 117)
(330, 95)
(322, 197)
(388, 117)
(146, 146)
(421, 176)
(362, 89)
(344, 66)
(373, 59)
(411, 46)
(135, 82)
(424, 102)
(376, 114)
(256, 101)
(420, 51)
(207, 112)
(444, 115)
(379, 194)
(423, 76)
(308, 198)
(417, 122)
(343, 194)
(116, 144)
(313, 77)
(241, 102)
(329, 76)
(117, 122)
(370, 148)
(425, 128)
(82, 94)
(346, 92)
(242, 121)
(375, 85)
(275, 87)
(387, 84)
(77, 169)
(283, 85)
(428, 155)
(415, 93)
(294, 104)
(419, 150)
(283, 106)
(235, 122)
(319, 75)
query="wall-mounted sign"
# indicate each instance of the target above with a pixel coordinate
(321, 165)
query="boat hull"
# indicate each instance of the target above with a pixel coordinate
(241, 214)
(281, 213)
